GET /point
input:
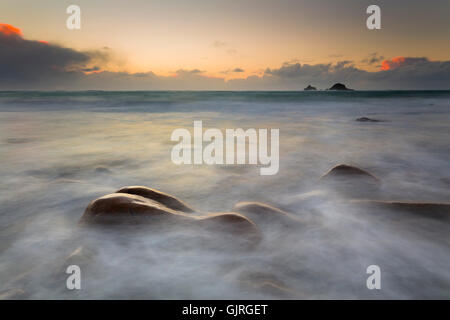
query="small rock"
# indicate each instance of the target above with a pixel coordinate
(365, 119)
(102, 170)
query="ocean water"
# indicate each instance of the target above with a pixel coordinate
(61, 150)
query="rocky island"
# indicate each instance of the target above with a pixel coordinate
(310, 88)
(340, 87)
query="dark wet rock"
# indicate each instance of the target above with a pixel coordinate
(102, 170)
(340, 87)
(438, 211)
(161, 197)
(365, 119)
(310, 88)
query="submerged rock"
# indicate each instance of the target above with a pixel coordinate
(13, 294)
(365, 119)
(351, 181)
(438, 211)
(102, 170)
(263, 213)
(267, 283)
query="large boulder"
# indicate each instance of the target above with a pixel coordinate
(161, 197)
(122, 209)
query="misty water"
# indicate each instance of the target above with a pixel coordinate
(61, 150)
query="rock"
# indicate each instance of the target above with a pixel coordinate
(310, 88)
(161, 197)
(344, 170)
(350, 181)
(131, 209)
(81, 256)
(269, 284)
(340, 87)
(365, 119)
(12, 294)
(102, 170)
(123, 208)
(230, 223)
(263, 213)
(438, 211)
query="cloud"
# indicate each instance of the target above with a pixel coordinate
(24, 63)
(30, 64)
(297, 70)
(372, 58)
(397, 73)
(183, 72)
(402, 62)
(235, 70)
(8, 30)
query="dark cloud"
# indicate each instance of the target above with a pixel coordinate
(25, 63)
(93, 69)
(183, 72)
(235, 70)
(297, 70)
(398, 73)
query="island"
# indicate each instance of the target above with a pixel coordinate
(340, 87)
(310, 88)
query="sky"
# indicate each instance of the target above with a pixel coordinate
(224, 45)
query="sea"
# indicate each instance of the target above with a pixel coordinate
(59, 150)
